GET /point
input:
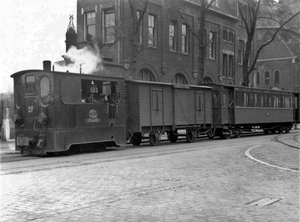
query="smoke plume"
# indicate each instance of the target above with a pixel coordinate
(86, 59)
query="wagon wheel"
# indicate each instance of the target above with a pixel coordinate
(280, 129)
(172, 137)
(287, 129)
(273, 131)
(226, 135)
(238, 133)
(154, 138)
(136, 139)
(211, 133)
(190, 136)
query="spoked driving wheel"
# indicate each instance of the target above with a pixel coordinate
(154, 138)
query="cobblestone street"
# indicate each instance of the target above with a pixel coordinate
(209, 181)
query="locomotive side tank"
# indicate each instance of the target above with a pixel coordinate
(155, 108)
(55, 111)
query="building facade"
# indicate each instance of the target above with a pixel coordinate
(278, 66)
(165, 47)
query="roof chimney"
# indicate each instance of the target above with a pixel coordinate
(47, 65)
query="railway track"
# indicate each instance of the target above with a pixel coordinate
(293, 142)
(5, 158)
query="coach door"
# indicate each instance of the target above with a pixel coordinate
(227, 106)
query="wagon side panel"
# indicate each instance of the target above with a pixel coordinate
(168, 105)
(252, 115)
(144, 101)
(133, 107)
(208, 106)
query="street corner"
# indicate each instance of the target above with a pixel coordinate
(283, 155)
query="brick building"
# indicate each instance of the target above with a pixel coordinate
(278, 66)
(166, 46)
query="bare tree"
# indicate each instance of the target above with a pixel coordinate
(201, 35)
(135, 32)
(204, 8)
(251, 11)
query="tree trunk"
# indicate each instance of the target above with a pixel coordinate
(201, 39)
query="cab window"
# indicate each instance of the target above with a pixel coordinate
(95, 91)
(30, 84)
(44, 86)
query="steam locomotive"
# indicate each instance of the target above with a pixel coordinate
(63, 112)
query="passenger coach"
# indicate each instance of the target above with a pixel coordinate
(236, 109)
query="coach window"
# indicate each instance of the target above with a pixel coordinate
(275, 101)
(30, 84)
(266, 99)
(251, 100)
(247, 99)
(287, 102)
(257, 99)
(262, 100)
(271, 101)
(280, 101)
(239, 99)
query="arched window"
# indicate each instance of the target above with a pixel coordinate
(258, 78)
(267, 77)
(179, 79)
(277, 77)
(146, 75)
(208, 80)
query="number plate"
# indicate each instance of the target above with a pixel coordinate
(22, 141)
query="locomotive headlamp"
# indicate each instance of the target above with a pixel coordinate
(42, 118)
(16, 118)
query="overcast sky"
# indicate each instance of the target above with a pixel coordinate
(31, 31)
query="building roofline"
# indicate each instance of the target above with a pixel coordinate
(214, 11)
(276, 59)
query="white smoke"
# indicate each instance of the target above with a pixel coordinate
(86, 59)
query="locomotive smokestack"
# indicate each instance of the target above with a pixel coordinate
(47, 65)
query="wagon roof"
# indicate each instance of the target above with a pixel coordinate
(248, 88)
(170, 84)
(60, 73)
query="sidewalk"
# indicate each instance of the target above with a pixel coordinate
(8, 147)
